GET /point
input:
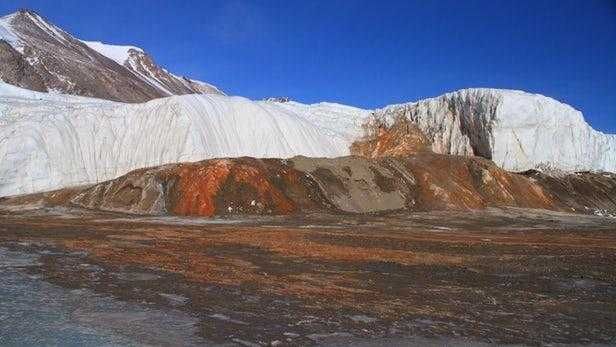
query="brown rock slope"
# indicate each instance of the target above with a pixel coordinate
(43, 57)
(53, 60)
(421, 182)
(585, 192)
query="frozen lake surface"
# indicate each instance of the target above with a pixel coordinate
(37, 313)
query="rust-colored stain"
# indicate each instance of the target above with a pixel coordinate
(257, 179)
(387, 267)
(451, 182)
(187, 253)
(400, 139)
(200, 188)
(247, 186)
(195, 255)
(198, 185)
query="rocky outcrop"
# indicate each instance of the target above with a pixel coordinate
(280, 99)
(37, 55)
(18, 71)
(215, 187)
(517, 130)
(142, 65)
(585, 192)
(248, 186)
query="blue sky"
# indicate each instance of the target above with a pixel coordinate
(367, 53)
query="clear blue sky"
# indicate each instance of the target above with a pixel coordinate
(367, 53)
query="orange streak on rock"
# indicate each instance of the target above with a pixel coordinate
(198, 185)
(400, 139)
(267, 192)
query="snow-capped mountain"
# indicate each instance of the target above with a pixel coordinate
(35, 54)
(517, 130)
(51, 141)
(143, 66)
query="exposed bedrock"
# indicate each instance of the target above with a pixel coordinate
(421, 182)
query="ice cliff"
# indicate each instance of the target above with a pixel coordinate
(50, 141)
(517, 130)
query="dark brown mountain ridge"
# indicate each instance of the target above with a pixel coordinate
(35, 54)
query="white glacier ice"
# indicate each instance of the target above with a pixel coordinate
(517, 130)
(51, 141)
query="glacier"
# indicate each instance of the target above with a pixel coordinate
(519, 131)
(49, 141)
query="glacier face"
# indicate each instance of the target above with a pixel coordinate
(517, 130)
(50, 141)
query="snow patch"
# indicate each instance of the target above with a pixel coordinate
(117, 53)
(8, 34)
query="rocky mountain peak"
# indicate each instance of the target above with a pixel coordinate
(38, 55)
(280, 99)
(26, 11)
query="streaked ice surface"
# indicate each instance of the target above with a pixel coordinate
(50, 141)
(36, 313)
